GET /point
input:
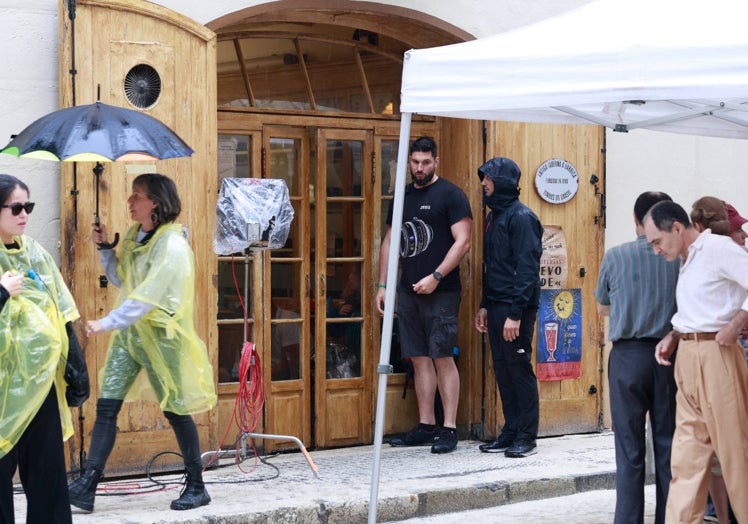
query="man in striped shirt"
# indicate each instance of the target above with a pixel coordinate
(637, 289)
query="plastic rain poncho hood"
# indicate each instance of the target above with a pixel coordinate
(33, 341)
(161, 272)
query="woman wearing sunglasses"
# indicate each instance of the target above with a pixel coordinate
(35, 304)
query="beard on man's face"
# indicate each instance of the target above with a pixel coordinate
(424, 180)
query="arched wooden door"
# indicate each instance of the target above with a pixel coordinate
(111, 39)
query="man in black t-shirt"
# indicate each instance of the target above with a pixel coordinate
(435, 237)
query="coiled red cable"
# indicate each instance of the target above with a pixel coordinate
(250, 398)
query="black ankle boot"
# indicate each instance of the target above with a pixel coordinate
(83, 490)
(193, 494)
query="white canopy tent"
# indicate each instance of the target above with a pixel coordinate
(669, 65)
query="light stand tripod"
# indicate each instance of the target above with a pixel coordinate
(254, 248)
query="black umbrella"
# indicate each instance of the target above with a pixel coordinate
(97, 133)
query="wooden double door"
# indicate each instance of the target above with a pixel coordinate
(310, 302)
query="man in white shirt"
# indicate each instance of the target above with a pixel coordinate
(710, 371)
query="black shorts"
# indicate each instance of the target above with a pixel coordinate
(427, 324)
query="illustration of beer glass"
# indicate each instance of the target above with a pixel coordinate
(551, 340)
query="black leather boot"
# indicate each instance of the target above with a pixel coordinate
(83, 490)
(193, 494)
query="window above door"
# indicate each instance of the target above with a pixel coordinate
(310, 67)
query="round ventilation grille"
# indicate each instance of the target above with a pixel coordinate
(142, 86)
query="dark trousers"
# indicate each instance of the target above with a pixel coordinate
(40, 458)
(639, 385)
(105, 433)
(512, 365)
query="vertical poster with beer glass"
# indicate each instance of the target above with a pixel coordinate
(559, 323)
(559, 334)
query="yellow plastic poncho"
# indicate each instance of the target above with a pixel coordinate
(164, 342)
(32, 341)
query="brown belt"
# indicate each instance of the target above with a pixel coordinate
(698, 336)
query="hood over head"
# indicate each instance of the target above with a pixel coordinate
(505, 175)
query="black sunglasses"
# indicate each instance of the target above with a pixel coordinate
(16, 207)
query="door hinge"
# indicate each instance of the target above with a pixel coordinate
(600, 217)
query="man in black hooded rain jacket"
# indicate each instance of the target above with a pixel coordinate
(509, 308)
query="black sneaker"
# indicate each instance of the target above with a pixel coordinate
(417, 436)
(521, 448)
(446, 442)
(499, 445)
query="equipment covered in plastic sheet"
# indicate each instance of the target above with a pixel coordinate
(252, 212)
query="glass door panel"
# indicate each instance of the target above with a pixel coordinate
(234, 302)
(234, 158)
(344, 320)
(286, 322)
(343, 216)
(237, 155)
(288, 268)
(388, 170)
(285, 158)
(343, 168)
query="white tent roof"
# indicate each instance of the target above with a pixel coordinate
(658, 64)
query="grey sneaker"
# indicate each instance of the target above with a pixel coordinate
(415, 437)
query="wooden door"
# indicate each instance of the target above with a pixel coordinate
(318, 341)
(285, 289)
(111, 39)
(570, 405)
(342, 237)
(338, 223)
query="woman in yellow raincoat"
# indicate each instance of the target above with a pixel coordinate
(154, 336)
(35, 305)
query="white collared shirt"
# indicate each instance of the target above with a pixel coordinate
(712, 284)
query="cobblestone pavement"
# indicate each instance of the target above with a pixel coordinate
(412, 483)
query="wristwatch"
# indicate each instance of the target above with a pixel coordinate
(438, 276)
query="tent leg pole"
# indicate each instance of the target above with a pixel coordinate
(384, 367)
